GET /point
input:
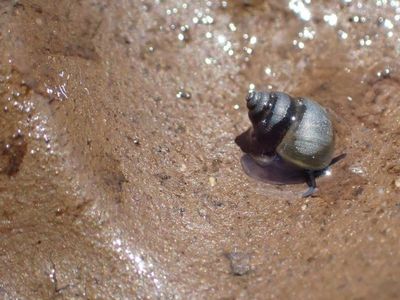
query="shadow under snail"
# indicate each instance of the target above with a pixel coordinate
(291, 139)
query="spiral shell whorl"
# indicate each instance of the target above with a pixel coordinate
(257, 103)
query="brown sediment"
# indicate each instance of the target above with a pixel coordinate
(119, 176)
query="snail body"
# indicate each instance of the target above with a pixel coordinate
(292, 135)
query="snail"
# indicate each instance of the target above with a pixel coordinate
(291, 140)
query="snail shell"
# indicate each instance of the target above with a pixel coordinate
(293, 134)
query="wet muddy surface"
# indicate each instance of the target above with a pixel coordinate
(119, 175)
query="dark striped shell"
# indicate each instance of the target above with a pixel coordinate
(299, 130)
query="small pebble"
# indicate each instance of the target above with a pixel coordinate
(212, 180)
(240, 263)
(202, 213)
(397, 182)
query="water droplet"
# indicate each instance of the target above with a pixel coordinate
(253, 40)
(331, 19)
(183, 94)
(308, 33)
(300, 9)
(232, 27)
(268, 71)
(207, 20)
(384, 74)
(342, 34)
(298, 44)
(181, 37)
(210, 60)
(221, 39)
(248, 50)
(365, 41)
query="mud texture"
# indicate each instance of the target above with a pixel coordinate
(119, 176)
